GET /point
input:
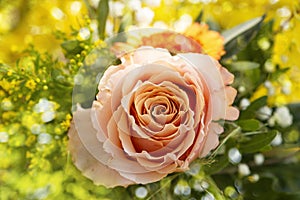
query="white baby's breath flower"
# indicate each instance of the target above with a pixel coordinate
(208, 196)
(269, 66)
(241, 89)
(160, 24)
(144, 16)
(244, 103)
(44, 105)
(141, 192)
(243, 169)
(272, 121)
(264, 113)
(270, 88)
(44, 138)
(254, 178)
(134, 5)
(286, 87)
(36, 128)
(84, 33)
(259, 159)
(48, 116)
(3, 137)
(234, 155)
(152, 3)
(183, 23)
(283, 117)
(116, 8)
(6, 105)
(277, 140)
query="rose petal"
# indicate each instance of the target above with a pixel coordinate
(86, 160)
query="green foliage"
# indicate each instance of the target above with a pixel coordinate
(257, 142)
(251, 111)
(102, 14)
(239, 36)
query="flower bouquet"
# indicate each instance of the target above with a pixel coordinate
(141, 100)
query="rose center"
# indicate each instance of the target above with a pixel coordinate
(158, 109)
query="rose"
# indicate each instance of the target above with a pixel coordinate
(154, 114)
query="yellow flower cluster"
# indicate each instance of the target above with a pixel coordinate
(34, 23)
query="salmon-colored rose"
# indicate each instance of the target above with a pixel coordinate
(154, 114)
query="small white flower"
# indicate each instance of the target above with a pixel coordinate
(116, 8)
(234, 155)
(273, 1)
(75, 7)
(3, 137)
(44, 138)
(244, 103)
(134, 4)
(272, 121)
(254, 178)
(94, 3)
(57, 13)
(283, 117)
(242, 89)
(270, 88)
(243, 169)
(41, 193)
(36, 128)
(182, 189)
(286, 87)
(152, 3)
(264, 113)
(200, 186)
(284, 12)
(6, 105)
(269, 66)
(109, 28)
(48, 116)
(183, 23)
(160, 24)
(277, 140)
(208, 196)
(144, 16)
(43, 105)
(194, 169)
(264, 43)
(259, 159)
(141, 192)
(84, 33)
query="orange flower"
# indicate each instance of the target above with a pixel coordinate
(210, 41)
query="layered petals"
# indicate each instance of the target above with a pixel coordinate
(154, 114)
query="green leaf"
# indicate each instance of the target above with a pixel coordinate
(244, 65)
(199, 17)
(71, 46)
(283, 181)
(251, 110)
(247, 74)
(239, 36)
(102, 11)
(249, 124)
(257, 142)
(220, 162)
(295, 110)
(275, 76)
